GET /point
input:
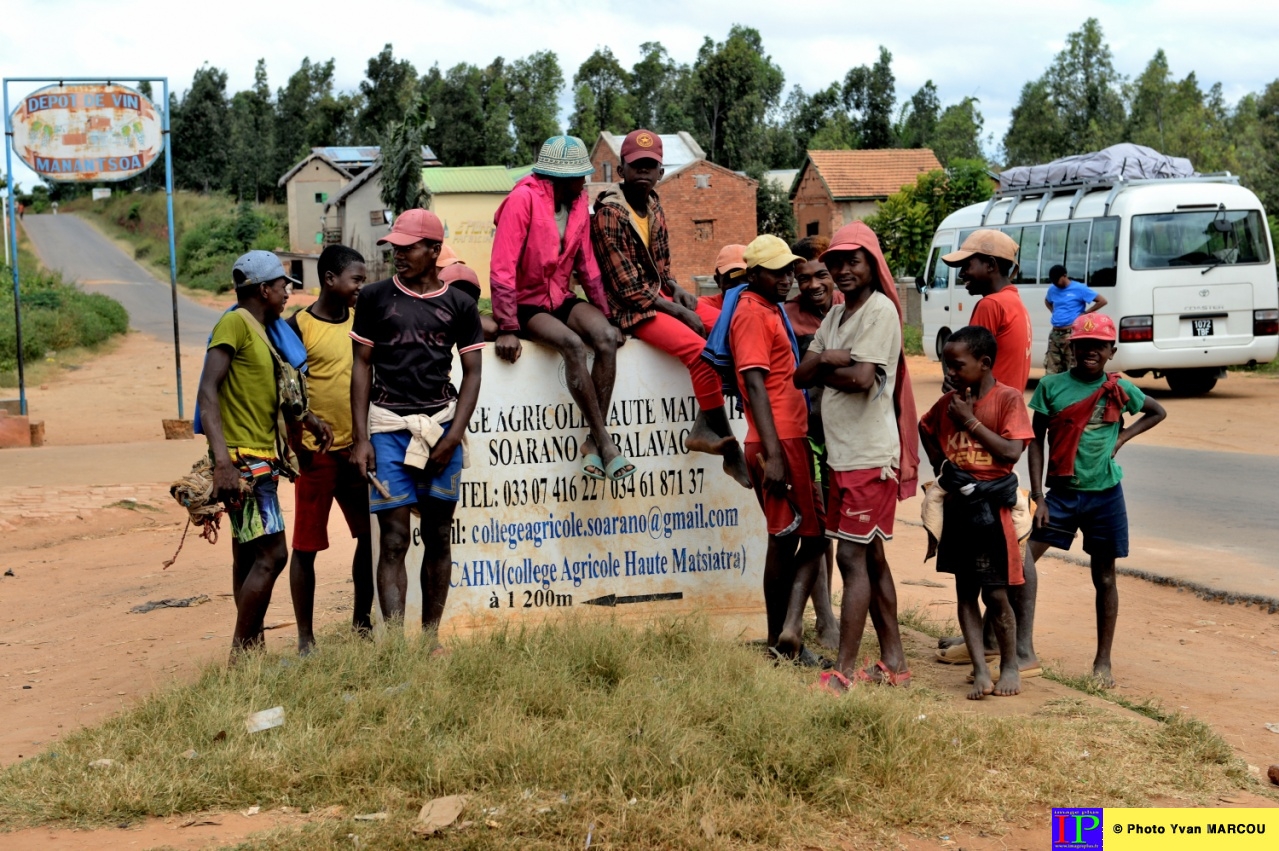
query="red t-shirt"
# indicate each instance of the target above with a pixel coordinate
(758, 340)
(1002, 410)
(805, 323)
(1004, 315)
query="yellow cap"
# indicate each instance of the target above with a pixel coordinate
(771, 252)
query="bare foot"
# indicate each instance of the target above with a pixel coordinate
(949, 641)
(703, 438)
(307, 647)
(828, 636)
(735, 465)
(1101, 673)
(789, 644)
(982, 686)
(1009, 683)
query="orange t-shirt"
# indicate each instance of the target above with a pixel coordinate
(758, 340)
(1002, 410)
(1004, 315)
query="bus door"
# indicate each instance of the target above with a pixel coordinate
(935, 287)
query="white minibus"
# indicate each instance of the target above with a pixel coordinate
(1186, 266)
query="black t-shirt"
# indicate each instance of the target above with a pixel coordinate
(412, 337)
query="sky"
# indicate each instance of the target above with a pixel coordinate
(985, 50)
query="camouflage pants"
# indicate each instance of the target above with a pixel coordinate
(1059, 357)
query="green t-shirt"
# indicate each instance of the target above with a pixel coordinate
(247, 397)
(1095, 469)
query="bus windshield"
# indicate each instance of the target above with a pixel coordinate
(1199, 238)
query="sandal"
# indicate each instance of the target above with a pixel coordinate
(619, 468)
(887, 676)
(593, 467)
(834, 682)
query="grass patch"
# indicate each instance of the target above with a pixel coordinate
(913, 339)
(211, 231)
(640, 733)
(1271, 368)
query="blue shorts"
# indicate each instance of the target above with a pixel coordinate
(1101, 515)
(409, 485)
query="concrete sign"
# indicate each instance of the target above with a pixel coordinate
(533, 537)
(87, 132)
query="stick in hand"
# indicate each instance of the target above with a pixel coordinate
(378, 486)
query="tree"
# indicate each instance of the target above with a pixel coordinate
(307, 115)
(609, 86)
(401, 160)
(906, 221)
(199, 132)
(958, 132)
(583, 123)
(1177, 118)
(456, 104)
(533, 86)
(773, 212)
(818, 121)
(252, 148)
(870, 93)
(917, 123)
(734, 86)
(497, 146)
(388, 90)
(660, 91)
(1075, 107)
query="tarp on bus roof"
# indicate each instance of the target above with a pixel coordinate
(1127, 161)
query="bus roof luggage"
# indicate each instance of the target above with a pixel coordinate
(1118, 162)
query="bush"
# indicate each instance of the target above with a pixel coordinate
(55, 316)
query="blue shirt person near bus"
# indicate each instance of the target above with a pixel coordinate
(1068, 300)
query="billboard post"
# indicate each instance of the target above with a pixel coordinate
(88, 129)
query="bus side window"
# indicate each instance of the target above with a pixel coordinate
(940, 278)
(1028, 252)
(1103, 253)
(1054, 250)
(1077, 250)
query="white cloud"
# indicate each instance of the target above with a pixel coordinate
(984, 49)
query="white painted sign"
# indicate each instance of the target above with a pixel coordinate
(101, 193)
(533, 536)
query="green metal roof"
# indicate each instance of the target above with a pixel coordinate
(520, 172)
(483, 178)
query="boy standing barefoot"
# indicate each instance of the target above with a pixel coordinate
(974, 436)
(328, 477)
(1081, 413)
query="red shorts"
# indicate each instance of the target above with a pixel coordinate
(862, 506)
(799, 512)
(325, 477)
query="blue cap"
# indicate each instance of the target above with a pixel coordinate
(261, 267)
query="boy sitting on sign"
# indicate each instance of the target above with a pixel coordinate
(1081, 413)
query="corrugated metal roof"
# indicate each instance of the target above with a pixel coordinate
(874, 173)
(482, 178)
(520, 172)
(359, 156)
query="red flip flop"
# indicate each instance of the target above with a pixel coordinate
(833, 682)
(887, 676)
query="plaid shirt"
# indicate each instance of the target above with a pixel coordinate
(633, 275)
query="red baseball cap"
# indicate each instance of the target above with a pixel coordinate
(463, 277)
(447, 257)
(641, 145)
(731, 258)
(1094, 326)
(414, 226)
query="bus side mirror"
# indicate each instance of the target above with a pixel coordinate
(921, 284)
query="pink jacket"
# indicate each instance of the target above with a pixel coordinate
(527, 266)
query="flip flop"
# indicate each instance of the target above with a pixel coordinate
(615, 470)
(593, 467)
(887, 676)
(809, 659)
(833, 682)
(957, 654)
(1026, 673)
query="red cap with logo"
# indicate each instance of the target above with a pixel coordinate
(1093, 326)
(641, 145)
(414, 226)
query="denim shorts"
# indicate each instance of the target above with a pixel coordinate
(1101, 515)
(409, 485)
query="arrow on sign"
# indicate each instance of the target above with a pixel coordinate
(614, 600)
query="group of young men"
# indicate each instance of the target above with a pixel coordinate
(832, 432)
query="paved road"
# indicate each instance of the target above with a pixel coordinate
(77, 250)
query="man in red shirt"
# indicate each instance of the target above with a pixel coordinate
(985, 262)
(777, 455)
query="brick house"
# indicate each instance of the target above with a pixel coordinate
(834, 188)
(707, 206)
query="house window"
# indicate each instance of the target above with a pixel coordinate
(704, 229)
(379, 217)
(608, 172)
(321, 197)
(701, 181)
(810, 229)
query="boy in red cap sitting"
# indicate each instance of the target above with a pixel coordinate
(1081, 413)
(407, 418)
(633, 251)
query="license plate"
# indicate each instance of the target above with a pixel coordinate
(1201, 327)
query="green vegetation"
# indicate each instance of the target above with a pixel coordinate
(212, 230)
(913, 339)
(56, 317)
(647, 735)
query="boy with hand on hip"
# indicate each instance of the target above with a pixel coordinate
(407, 418)
(974, 436)
(1081, 414)
(1068, 300)
(764, 356)
(328, 476)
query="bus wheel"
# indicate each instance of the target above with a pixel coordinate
(1192, 382)
(942, 336)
